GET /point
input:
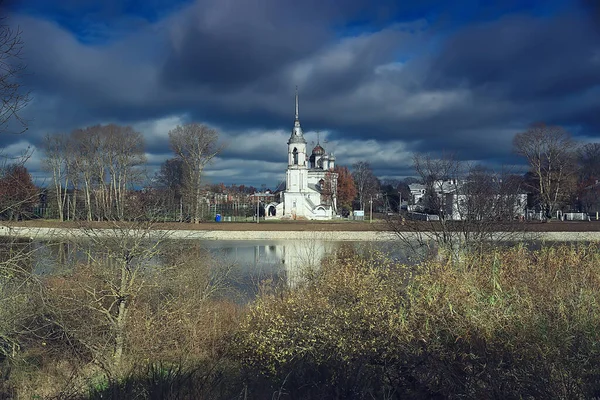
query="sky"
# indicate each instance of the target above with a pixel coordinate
(379, 80)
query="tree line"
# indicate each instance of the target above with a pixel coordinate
(94, 169)
(561, 175)
(99, 173)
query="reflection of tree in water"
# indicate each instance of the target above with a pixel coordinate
(15, 253)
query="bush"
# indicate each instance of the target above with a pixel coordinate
(512, 323)
(177, 319)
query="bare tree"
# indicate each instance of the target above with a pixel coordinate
(588, 173)
(124, 157)
(550, 152)
(488, 205)
(18, 286)
(85, 154)
(11, 70)
(93, 306)
(588, 158)
(439, 176)
(107, 160)
(56, 148)
(196, 145)
(170, 179)
(464, 208)
(367, 184)
(20, 295)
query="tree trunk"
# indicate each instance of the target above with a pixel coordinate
(74, 204)
(88, 201)
(58, 190)
(180, 208)
(64, 199)
(121, 319)
(120, 335)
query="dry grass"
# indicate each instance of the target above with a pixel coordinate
(177, 318)
(508, 324)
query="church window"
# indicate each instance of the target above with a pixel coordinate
(295, 153)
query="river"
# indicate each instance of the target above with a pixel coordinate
(249, 262)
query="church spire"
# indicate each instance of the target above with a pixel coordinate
(296, 119)
(297, 136)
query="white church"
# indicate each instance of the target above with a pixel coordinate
(311, 184)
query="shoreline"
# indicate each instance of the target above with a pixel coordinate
(271, 235)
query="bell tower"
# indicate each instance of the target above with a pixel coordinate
(296, 177)
(297, 142)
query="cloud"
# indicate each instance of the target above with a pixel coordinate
(525, 57)
(225, 45)
(378, 85)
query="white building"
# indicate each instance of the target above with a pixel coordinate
(441, 187)
(311, 184)
(455, 204)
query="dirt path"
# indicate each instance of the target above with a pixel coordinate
(307, 226)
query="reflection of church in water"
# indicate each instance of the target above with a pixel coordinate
(286, 260)
(293, 258)
(311, 184)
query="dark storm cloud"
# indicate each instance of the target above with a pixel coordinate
(511, 72)
(230, 44)
(381, 85)
(341, 70)
(94, 76)
(522, 57)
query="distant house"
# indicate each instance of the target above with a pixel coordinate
(457, 202)
(266, 196)
(417, 191)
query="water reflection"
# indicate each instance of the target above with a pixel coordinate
(249, 262)
(286, 260)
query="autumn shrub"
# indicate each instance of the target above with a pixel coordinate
(335, 334)
(176, 318)
(190, 316)
(20, 300)
(510, 323)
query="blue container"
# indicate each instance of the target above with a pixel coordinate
(218, 218)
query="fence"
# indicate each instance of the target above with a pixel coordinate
(569, 216)
(423, 217)
(575, 217)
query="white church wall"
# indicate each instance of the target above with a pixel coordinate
(303, 256)
(302, 196)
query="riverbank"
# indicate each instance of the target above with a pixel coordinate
(377, 225)
(45, 233)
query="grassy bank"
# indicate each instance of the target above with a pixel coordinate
(510, 323)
